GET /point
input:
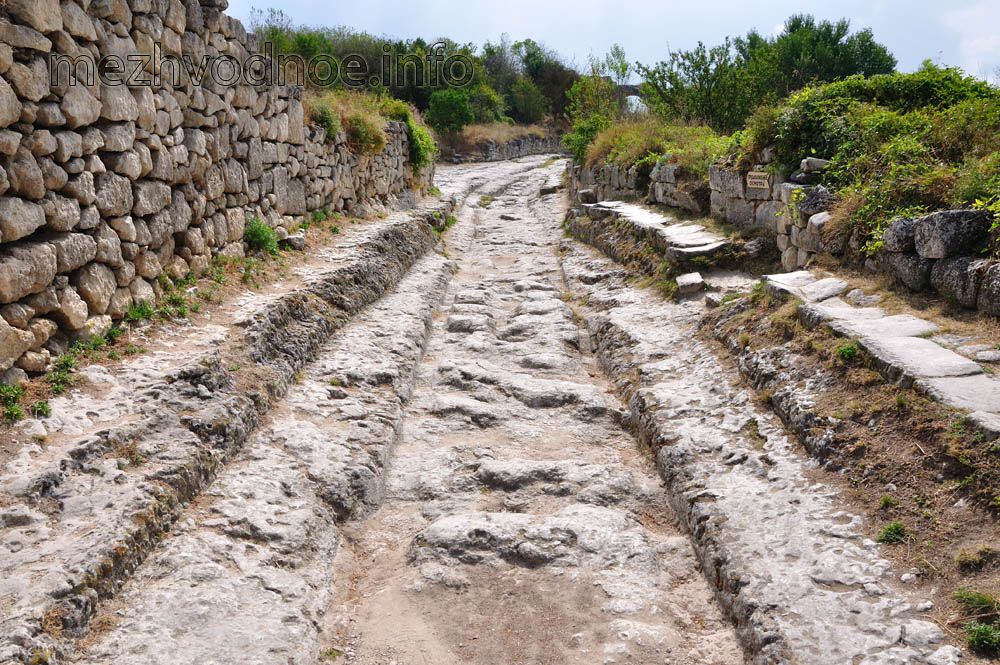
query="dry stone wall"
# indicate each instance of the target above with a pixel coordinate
(104, 188)
(492, 151)
(609, 182)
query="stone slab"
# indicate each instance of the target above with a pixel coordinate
(919, 358)
(980, 392)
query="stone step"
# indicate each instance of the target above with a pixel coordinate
(900, 345)
(677, 240)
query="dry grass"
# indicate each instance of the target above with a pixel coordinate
(627, 143)
(474, 137)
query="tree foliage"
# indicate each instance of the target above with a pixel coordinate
(722, 85)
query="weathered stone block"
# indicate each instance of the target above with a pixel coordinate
(958, 279)
(951, 233)
(910, 269)
(19, 218)
(25, 268)
(989, 291)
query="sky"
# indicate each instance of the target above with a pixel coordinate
(964, 33)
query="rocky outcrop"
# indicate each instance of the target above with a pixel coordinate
(105, 188)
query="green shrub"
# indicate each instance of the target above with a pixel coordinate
(40, 409)
(365, 132)
(260, 237)
(983, 638)
(450, 110)
(847, 352)
(646, 141)
(487, 104)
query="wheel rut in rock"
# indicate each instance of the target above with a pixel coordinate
(521, 522)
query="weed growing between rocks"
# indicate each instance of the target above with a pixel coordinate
(259, 237)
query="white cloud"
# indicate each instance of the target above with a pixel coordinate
(976, 27)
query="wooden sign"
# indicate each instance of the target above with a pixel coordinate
(758, 180)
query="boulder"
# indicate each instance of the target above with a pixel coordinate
(96, 284)
(10, 106)
(61, 213)
(952, 233)
(911, 270)
(42, 15)
(19, 218)
(989, 291)
(813, 165)
(118, 104)
(76, 22)
(80, 107)
(816, 200)
(13, 343)
(114, 195)
(900, 236)
(25, 176)
(150, 197)
(728, 181)
(958, 279)
(142, 291)
(95, 326)
(691, 282)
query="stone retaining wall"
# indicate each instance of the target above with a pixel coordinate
(497, 152)
(608, 182)
(104, 188)
(941, 252)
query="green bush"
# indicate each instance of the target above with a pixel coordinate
(900, 145)
(450, 110)
(646, 141)
(423, 149)
(365, 132)
(527, 103)
(487, 104)
(893, 533)
(260, 237)
(983, 638)
(583, 132)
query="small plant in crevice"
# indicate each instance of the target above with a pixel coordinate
(847, 352)
(887, 502)
(260, 237)
(893, 533)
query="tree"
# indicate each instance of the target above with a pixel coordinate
(547, 71)
(449, 110)
(527, 103)
(594, 104)
(721, 86)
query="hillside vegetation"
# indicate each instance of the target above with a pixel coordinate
(899, 144)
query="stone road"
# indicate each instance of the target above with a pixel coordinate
(455, 478)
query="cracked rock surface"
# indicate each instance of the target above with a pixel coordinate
(522, 523)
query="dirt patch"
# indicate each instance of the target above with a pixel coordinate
(928, 483)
